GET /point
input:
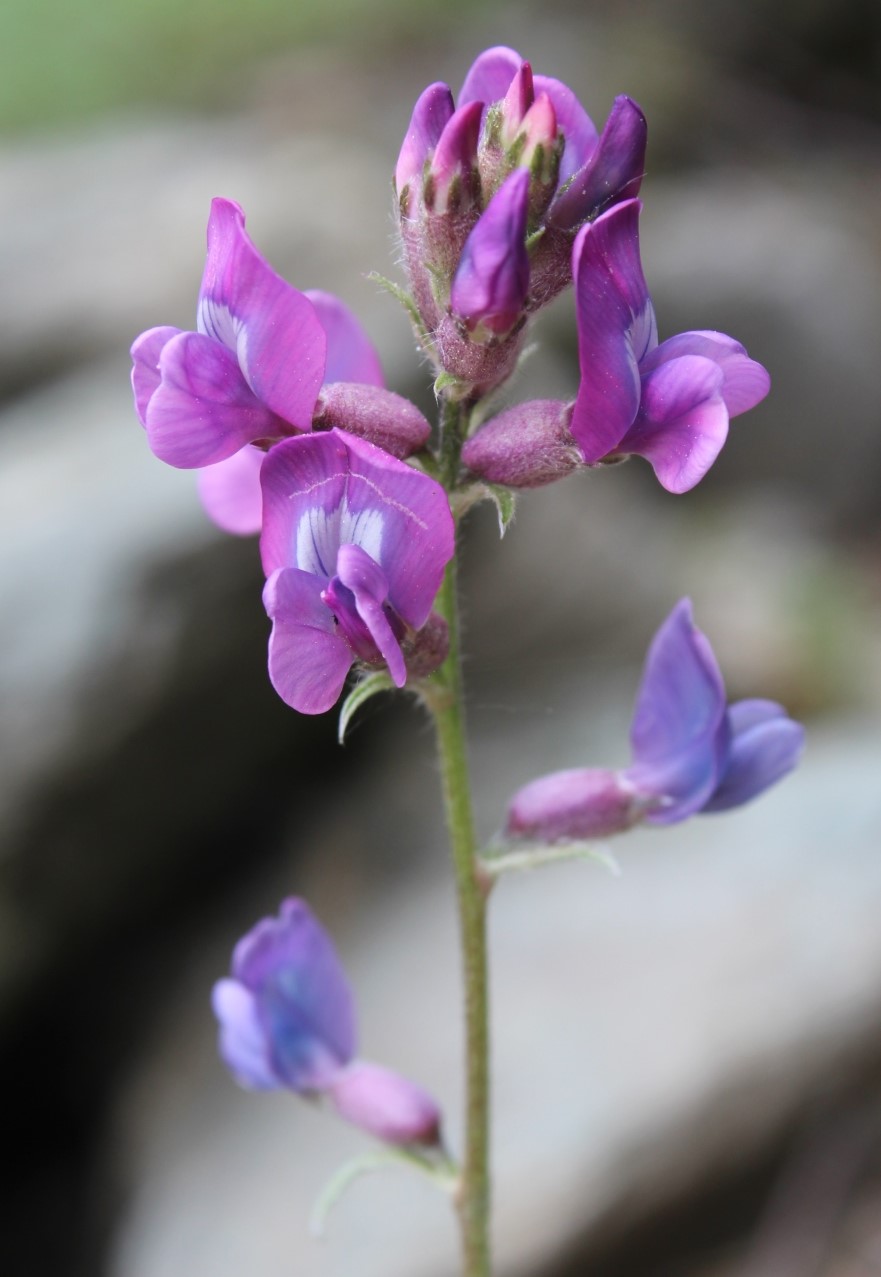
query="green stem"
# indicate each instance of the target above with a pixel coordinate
(446, 703)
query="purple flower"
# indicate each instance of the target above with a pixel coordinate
(669, 403)
(354, 546)
(492, 278)
(691, 751)
(252, 373)
(287, 1020)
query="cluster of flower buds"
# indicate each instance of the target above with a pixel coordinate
(692, 752)
(287, 1021)
(669, 403)
(491, 193)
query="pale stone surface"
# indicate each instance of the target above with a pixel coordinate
(84, 508)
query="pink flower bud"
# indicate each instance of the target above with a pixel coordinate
(525, 447)
(373, 413)
(587, 802)
(516, 103)
(452, 176)
(385, 1104)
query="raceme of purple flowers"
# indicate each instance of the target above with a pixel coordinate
(287, 1021)
(278, 399)
(691, 751)
(504, 197)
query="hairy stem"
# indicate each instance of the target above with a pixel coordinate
(471, 889)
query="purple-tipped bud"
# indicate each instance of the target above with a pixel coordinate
(370, 412)
(526, 447)
(430, 115)
(570, 805)
(385, 1104)
(613, 172)
(492, 279)
(452, 174)
(516, 103)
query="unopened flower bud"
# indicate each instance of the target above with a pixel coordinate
(613, 172)
(537, 133)
(430, 114)
(586, 802)
(384, 1104)
(525, 447)
(426, 649)
(516, 103)
(452, 180)
(492, 279)
(373, 413)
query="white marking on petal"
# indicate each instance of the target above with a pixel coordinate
(215, 320)
(318, 540)
(362, 478)
(363, 528)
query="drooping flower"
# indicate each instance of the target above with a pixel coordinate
(691, 751)
(287, 1021)
(670, 403)
(354, 546)
(267, 361)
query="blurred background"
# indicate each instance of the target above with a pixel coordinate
(687, 1056)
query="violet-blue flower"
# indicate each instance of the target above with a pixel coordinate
(287, 1021)
(691, 751)
(265, 359)
(354, 546)
(669, 403)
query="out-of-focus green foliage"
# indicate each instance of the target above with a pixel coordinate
(62, 62)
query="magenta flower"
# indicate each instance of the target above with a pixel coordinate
(287, 1021)
(251, 371)
(691, 751)
(266, 362)
(354, 546)
(669, 403)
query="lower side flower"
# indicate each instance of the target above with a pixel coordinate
(287, 1021)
